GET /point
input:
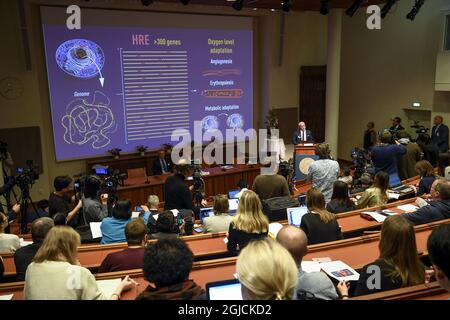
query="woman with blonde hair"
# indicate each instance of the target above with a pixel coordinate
(266, 271)
(250, 223)
(55, 273)
(398, 262)
(319, 224)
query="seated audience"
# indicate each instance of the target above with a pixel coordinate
(60, 200)
(324, 171)
(51, 274)
(429, 149)
(9, 243)
(363, 184)
(221, 220)
(160, 165)
(427, 177)
(437, 209)
(42, 207)
(340, 201)
(167, 264)
(243, 186)
(439, 253)
(150, 209)
(93, 209)
(166, 226)
(60, 219)
(398, 262)
(23, 256)
(248, 224)
(384, 154)
(407, 162)
(131, 257)
(269, 186)
(266, 271)
(319, 224)
(316, 285)
(346, 177)
(113, 228)
(377, 194)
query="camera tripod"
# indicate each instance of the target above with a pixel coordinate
(24, 203)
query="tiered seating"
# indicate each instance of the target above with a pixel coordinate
(355, 252)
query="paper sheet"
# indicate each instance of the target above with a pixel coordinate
(108, 287)
(175, 212)
(408, 207)
(95, 229)
(24, 243)
(135, 214)
(311, 266)
(393, 195)
(322, 259)
(377, 216)
(274, 228)
(6, 297)
(340, 271)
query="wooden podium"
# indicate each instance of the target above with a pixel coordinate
(305, 148)
(304, 155)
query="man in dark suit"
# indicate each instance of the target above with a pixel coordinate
(23, 256)
(439, 134)
(396, 125)
(160, 165)
(302, 135)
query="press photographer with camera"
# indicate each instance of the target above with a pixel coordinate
(95, 204)
(15, 209)
(60, 201)
(384, 154)
(176, 194)
(7, 160)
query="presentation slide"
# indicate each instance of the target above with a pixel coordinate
(124, 86)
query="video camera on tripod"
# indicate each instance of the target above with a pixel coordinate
(419, 128)
(199, 184)
(26, 176)
(360, 160)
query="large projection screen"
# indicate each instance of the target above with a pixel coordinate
(129, 78)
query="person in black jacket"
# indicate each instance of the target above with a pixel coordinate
(398, 264)
(340, 201)
(439, 134)
(319, 224)
(59, 200)
(250, 223)
(438, 209)
(24, 256)
(301, 134)
(160, 165)
(396, 125)
(176, 193)
(429, 149)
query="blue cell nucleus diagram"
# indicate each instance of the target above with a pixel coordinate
(89, 122)
(80, 58)
(235, 121)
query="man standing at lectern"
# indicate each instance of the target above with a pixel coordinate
(302, 135)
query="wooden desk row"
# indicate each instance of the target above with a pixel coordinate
(212, 245)
(355, 252)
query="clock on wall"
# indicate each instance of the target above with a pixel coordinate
(11, 88)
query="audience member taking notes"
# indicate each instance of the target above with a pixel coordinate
(248, 224)
(314, 285)
(47, 277)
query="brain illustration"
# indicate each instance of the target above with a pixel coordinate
(86, 122)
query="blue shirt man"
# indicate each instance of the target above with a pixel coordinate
(384, 155)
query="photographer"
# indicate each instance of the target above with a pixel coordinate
(384, 154)
(93, 209)
(60, 201)
(176, 193)
(5, 189)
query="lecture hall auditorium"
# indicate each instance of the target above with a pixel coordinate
(225, 150)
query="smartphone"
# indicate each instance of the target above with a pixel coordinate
(180, 219)
(138, 209)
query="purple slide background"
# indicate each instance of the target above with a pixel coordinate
(195, 41)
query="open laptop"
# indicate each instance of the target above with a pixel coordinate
(232, 193)
(205, 213)
(295, 215)
(224, 290)
(395, 184)
(232, 206)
